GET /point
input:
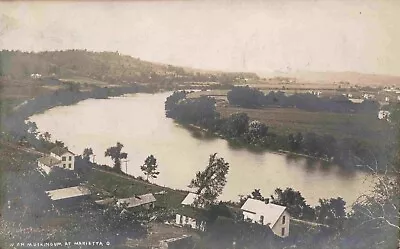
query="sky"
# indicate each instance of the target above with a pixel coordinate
(257, 36)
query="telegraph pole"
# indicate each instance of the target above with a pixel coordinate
(126, 165)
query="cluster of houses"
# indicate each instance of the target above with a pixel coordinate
(274, 216)
(190, 214)
(268, 214)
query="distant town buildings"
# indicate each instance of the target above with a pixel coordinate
(383, 115)
(36, 76)
(368, 96)
(316, 93)
(268, 214)
(59, 157)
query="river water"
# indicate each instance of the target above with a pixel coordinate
(138, 121)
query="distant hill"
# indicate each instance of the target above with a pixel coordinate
(353, 78)
(107, 67)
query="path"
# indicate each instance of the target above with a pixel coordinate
(309, 223)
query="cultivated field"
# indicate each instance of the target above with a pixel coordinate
(290, 120)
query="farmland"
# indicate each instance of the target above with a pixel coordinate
(291, 120)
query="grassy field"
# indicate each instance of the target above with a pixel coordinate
(290, 120)
(123, 187)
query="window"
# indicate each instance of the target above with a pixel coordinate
(64, 166)
(70, 158)
(64, 158)
(180, 219)
(262, 219)
(69, 165)
(283, 231)
(283, 219)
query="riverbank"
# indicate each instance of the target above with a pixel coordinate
(253, 147)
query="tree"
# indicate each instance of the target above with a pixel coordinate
(257, 131)
(245, 97)
(149, 167)
(87, 153)
(59, 144)
(256, 194)
(116, 155)
(295, 203)
(47, 136)
(295, 141)
(331, 212)
(236, 125)
(212, 180)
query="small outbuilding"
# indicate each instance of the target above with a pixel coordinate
(146, 201)
(69, 195)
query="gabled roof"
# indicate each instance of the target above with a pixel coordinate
(193, 212)
(137, 200)
(270, 211)
(59, 151)
(49, 161)
(189, 199)
(65, 193)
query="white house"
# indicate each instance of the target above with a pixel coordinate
(191, 214)
(67, 157)
(272, 215)
(59, 157)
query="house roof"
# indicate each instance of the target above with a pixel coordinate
(65, 193)
(137, 200)
(189, 199)
(270, 211)
(193, 212)
(49, 161)
(59, 151)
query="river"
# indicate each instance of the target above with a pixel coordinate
(138, 121)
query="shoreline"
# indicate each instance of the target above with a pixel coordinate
(361, 168)
(277, 152)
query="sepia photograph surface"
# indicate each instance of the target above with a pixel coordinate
(199, 124)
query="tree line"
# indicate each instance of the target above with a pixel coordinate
(238, 128)
(248, 97)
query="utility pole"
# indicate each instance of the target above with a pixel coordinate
(126, 165)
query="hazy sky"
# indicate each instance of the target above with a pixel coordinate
(243, 35)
